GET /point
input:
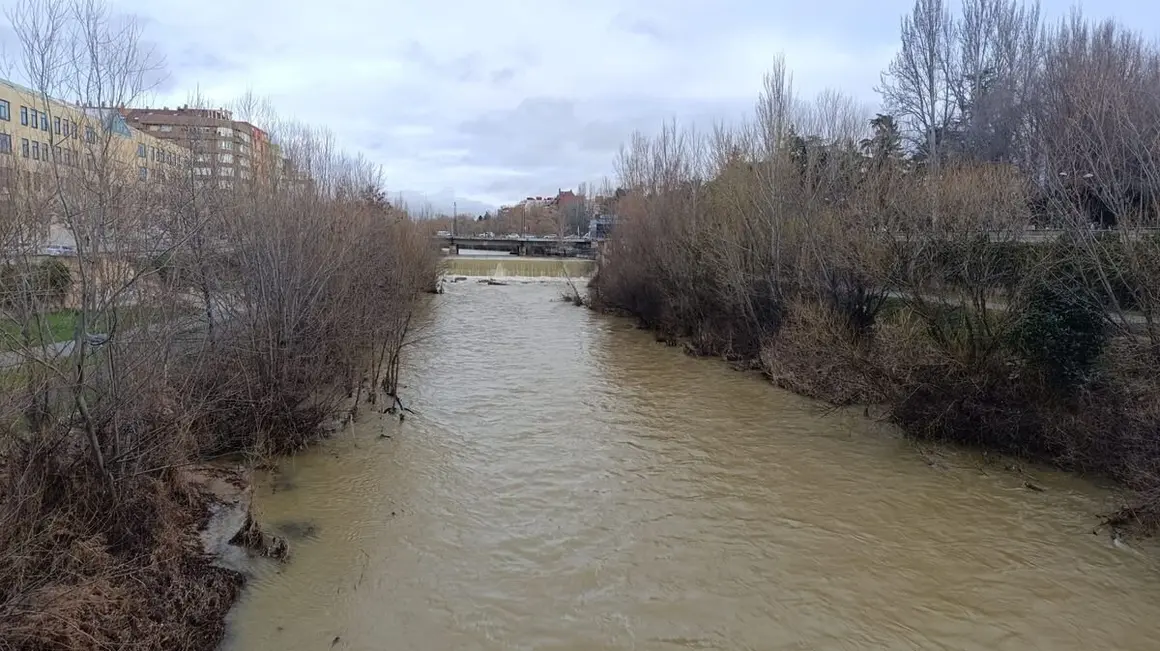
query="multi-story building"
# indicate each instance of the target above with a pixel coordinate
(48, 145)
(45, 143)
(223, 148)
(37, 134)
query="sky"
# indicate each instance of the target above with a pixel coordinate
(484, 102)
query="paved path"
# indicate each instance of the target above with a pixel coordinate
(16, 358)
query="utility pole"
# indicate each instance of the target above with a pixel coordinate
(454, 217)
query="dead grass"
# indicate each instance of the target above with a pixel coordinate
(82, 570)
(815, 355)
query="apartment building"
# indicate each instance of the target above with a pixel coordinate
(223, 148)
(563, 200)
(36, 134)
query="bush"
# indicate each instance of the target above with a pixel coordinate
(1061, 334)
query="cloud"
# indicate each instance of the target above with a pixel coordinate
(493, 101)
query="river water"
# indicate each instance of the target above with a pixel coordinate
(567, 483)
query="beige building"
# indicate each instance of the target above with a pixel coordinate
(35, 134)
(49, 144)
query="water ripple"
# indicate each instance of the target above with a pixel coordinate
(570, 484)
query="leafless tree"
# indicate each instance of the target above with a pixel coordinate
(916, 86)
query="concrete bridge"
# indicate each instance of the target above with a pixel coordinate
(527, 245)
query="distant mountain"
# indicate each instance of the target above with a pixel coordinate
(442, 203)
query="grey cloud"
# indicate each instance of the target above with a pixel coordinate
(463, 68)
(555, 142)
(202, 60)
(510, 186)
(498, 101)
(502, 76)
(642, 27)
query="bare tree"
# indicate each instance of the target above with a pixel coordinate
(916, 86)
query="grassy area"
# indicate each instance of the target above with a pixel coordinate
(55, 326)
(58, 325)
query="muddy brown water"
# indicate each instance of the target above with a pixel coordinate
(568, 483)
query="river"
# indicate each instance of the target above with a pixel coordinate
(567, 483)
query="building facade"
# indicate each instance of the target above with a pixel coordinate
(225, 149)
(39, 136)
(50, 149)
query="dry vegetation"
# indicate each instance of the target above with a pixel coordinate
(890, 259)
(209, 318)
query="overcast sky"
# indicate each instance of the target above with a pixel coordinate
(492, 100)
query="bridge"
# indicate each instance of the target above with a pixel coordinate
(527, 245)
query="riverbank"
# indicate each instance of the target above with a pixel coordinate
(161, 570)
(106, 502)
(1002, 405)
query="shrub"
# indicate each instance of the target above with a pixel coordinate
(1061, 334)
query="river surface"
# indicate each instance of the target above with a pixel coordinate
(567, 483)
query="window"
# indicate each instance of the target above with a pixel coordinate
(43, 121)
(35, 118)
(243, 161)
(74, 130)
(5, 110)
(153, 154)
(56, 125)
(225, 144)
(90, 135)
(225, 185)
(201, 158)
(35, 150)
(44, 151)
(24, 115)
(64, 125)
(5, 143)
(59, 156)
(245, 174)
(140, 150)
(226, 171)
(166, 128)
(142, 173)
(154, 127)
(202, 171)
(226, 158)
(24, 147)
(225, 132)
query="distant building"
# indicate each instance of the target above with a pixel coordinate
(223, 148)
(566, 199)
(563, 200)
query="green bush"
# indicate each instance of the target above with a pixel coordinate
(1061, 333)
